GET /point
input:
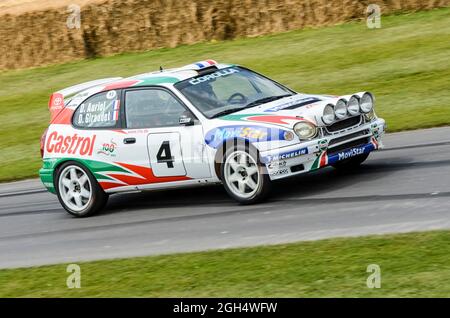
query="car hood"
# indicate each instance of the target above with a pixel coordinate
(286, 111)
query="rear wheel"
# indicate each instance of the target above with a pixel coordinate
(351, 163)
(244, 177)
(78, 191)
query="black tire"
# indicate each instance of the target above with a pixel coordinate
(263, 186)
(98, 198)
(351, 163)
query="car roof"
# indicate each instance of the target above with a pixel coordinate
(163, 77)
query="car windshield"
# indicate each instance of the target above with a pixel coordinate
(229, 90)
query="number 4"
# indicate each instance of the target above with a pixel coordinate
(164, 155)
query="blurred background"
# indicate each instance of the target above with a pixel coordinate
(397, 49)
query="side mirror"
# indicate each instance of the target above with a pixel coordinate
(186, 120)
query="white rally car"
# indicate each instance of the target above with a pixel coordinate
(199, 124)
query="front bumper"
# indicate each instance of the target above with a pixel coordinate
(325, 151)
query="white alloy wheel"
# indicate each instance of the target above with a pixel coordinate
(241, 174)
(75, 188)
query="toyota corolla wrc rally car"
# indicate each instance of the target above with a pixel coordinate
(202, 123)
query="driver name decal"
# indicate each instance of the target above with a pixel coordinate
(105, 112)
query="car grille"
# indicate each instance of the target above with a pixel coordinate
(350, 136)
(351, 144)
(344, 124)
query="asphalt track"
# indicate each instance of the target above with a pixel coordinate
(405, 187)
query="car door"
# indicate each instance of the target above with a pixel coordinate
(175, 151)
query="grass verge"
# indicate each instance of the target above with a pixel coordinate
(405, 63)
(412, 265)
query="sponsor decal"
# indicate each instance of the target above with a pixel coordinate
(287, 155)
(350, 153)
(78, 98)
(376, 131)
(55, 104)
(293, 104)
(111, 95)
(58, 102)
(323, 144)
(217, 136)
(288, 135)
(74, 144)
(252, 133)
(279, 172)
(132, 131)
(108, 149)
(214, 75)
(277, 164)
(184, 120)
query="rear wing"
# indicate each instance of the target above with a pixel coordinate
(59, 99)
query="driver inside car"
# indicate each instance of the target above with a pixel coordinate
(205, 97)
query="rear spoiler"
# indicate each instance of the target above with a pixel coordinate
(58, 100)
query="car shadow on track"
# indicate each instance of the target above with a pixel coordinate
(314, 183)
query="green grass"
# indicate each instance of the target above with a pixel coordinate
(405, 63)
(412, 265)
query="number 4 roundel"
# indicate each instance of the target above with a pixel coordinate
(165, 154)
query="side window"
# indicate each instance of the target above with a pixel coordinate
(99, 111)
(151, 108)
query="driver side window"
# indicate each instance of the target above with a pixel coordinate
(151, 108)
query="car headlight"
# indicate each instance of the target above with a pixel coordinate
(353, 105)
(305, 130)
(341, 109)
(328, 116)
(366, 103)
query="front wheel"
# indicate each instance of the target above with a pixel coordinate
(351, 163)
(244, 178)
(78, 191)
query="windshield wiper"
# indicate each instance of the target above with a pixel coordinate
(226, 112)
(266, 100)
(254, 103)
